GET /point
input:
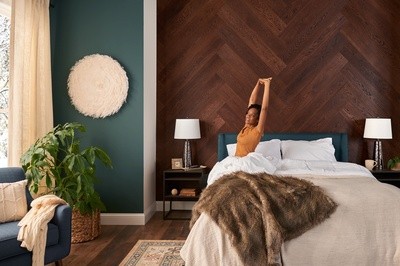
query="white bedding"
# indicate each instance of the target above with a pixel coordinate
(252, 163)
(322, 168)
(256, 163)
(364, 230)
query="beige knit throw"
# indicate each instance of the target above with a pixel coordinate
(33, 231)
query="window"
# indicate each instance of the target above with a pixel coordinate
(4, 86)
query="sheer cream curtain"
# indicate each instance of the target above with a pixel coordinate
(31, 108)
(5, 8)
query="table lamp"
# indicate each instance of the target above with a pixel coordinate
(187, 129)
(378, 128)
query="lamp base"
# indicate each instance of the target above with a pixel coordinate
(378, 156)
(187, 155)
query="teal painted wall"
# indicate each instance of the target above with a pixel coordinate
(114, 28)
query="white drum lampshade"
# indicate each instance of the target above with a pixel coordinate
(187, 129)
(378, 128)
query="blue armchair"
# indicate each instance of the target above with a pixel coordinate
(58, 242)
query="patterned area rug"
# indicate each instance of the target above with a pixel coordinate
(155, 252)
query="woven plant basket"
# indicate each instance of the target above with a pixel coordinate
(85, 227)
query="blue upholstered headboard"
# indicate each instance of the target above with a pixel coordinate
(339, 141)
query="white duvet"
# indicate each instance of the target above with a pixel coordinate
(364, 229)
(252, 163)
(256, 163)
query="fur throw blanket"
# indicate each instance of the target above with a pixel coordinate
(33, 231)
(260, 211)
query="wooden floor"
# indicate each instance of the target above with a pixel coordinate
(115, 241)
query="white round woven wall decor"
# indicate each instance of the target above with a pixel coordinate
(97, 86)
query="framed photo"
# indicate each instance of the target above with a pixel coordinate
(176, 163)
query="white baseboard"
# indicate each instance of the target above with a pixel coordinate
(142, 218)
(122, 219)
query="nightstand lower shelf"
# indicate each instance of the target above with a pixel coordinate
(178, 215)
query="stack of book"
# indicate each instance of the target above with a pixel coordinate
(188, 192)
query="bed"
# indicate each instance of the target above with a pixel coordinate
(364, 228)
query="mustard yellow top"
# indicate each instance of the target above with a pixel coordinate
(247, 140)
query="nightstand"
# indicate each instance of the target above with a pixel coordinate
(195, 179)
(388, 176)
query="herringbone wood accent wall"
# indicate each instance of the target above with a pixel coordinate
(333, 64)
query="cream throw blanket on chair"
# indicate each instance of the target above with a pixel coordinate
(33, 231)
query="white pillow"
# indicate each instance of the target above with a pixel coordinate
(13, 205)
(315, 150)
(270, 148)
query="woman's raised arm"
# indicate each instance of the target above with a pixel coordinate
(264, 106)
(254, 93)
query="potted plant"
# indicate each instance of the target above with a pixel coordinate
(69, 172)
(394, 163)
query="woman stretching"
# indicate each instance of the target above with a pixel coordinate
(250, 135)
(245, 158)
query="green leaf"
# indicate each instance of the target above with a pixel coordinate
(103, 156)
(71, 162)
(79, 183)
(90, 155)
(49, 182)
